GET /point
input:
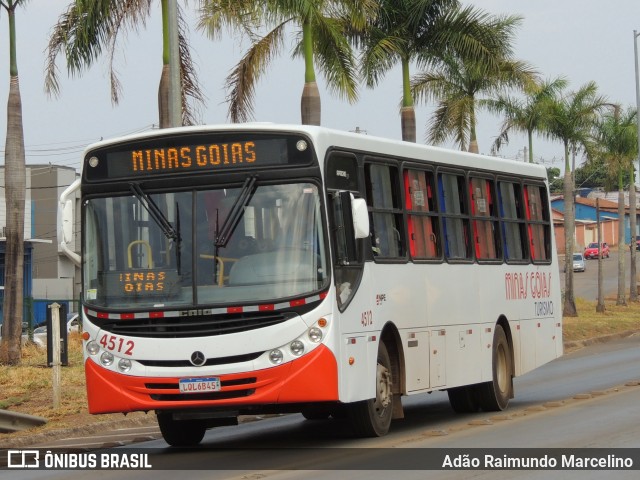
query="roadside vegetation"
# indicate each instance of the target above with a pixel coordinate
(27, 388)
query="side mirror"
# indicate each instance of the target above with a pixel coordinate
(66, 221)
(360, 216)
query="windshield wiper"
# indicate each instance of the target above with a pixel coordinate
(157, 215)
(231, 222)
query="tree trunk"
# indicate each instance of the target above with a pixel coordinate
(569, 308)
(408, 123)
(15, 183)
(473, 137)
(163, 97)
(620, 300)
(310, 104)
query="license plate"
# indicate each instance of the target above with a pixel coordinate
(199, 385)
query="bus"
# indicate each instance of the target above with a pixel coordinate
(257, 268)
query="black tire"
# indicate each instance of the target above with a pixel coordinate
(372, 418)
(494, 396)
(464, 399)
(180, 433)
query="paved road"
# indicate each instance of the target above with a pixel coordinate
(586, 283)
(586, 399)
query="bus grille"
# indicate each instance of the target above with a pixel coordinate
(192, 326)
(209, 362)
(169, 392)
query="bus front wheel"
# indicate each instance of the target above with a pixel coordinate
(494, 396)
(372, 418)
(180, 433)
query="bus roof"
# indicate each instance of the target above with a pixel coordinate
(325, 138)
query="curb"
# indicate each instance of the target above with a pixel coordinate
(573, 345)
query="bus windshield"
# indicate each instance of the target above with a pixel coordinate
(228, 246)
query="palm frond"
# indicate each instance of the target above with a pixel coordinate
(84, 29)
(335, 57)
(241, 82)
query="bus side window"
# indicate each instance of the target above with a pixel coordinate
(383, 199)
(455, 218)
(538, 226)
(486, 233)
(422, 219)
(513, 222)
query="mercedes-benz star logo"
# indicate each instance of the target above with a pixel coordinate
(198, 359)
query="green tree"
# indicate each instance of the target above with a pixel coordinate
(595, 174)
(571, 120)
(15, 183)
(424, 32)
(89, 27)
(525, 115)
(455, 84)
(324, 28)
(616, 143)
(555, 180)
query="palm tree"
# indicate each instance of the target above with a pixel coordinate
(528, 114)
(85, 29)
(571, 118)
(455, 84)
(323, 39)
(425, 31)
(616, 143)
(15, 183)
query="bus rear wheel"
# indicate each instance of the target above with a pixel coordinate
(494, 396)
(372, 418)
(180, 433)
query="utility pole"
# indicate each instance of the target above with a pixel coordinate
(633, 288)
(600, 306)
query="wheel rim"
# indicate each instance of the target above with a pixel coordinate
(383, 391)
(502, 376)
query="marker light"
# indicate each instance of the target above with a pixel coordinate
(106, 358)
(296, 347)
(93, 348)
(276, 356)
(315, 334)
(124, 365)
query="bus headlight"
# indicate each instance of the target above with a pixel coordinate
(296, 347)
(106, 358)
(93, 348)
(124, 365)
(276, 356)
(315, 334)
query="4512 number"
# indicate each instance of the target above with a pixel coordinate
(366, 319)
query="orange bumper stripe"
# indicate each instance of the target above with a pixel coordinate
(311, 378)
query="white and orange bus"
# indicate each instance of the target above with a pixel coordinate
(245, 269)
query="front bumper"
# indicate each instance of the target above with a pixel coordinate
(311, 378)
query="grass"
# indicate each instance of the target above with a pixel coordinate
(589, 323)
(27, 388)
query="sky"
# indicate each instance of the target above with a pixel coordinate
(582, 40)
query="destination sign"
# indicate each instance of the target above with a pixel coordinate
(142, 282)
(195, 153)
